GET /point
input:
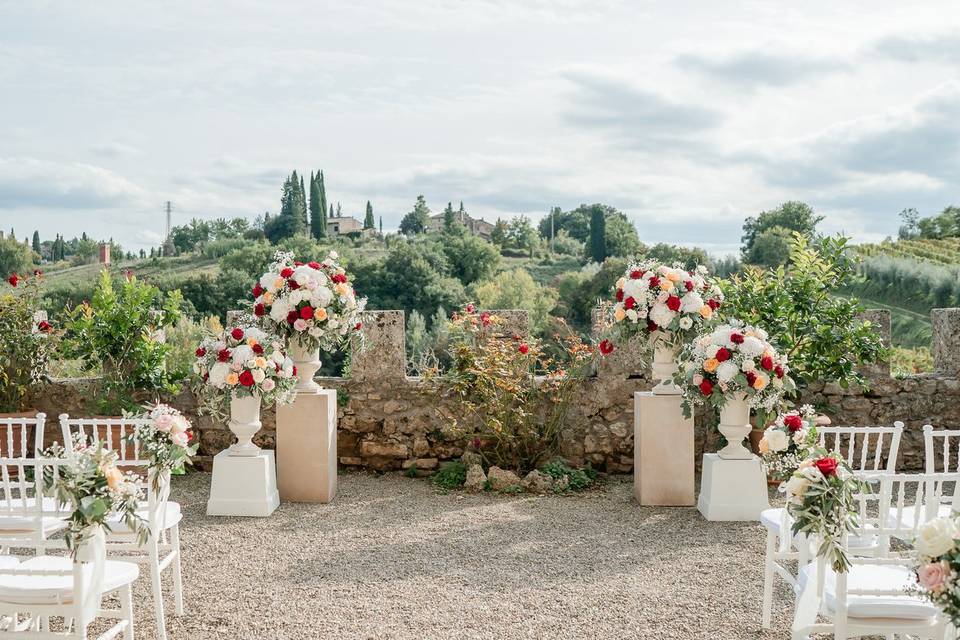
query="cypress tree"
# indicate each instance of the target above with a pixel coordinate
(381, 225)
(598, 224)
(323, 199)
(368, 220)
(318, 218)
(331, 210)
(339, 212)
(36, 241)
(302, 204)
(449, 219)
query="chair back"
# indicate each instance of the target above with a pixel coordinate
(21, 437)
(866, 449)
(26, 517)
(941, 449)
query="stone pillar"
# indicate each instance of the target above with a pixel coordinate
(946, 341)
(663, 462)
(385, 354)
(880, 319)
(307, 447)
(627, 360)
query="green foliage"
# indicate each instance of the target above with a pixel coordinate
(671, 254)
(450, 476)
(196, 234)
(791, 215)
(368, 220)
(770, 248)
(566, 244)
(577, 479)
(471, 258)
(416, 221)
(223, 246)
(318, 206)
(818, 331)
(579, 291)
(449, 217)
(576, 223)
(910, 362)
(251, 259)
(598, 246)
(516, 289)
(15, 257)
(620, 236)
(24, 349)
(122, 332)
(944, 225)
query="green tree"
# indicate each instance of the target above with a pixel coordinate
(911, 224)
(368, 220)
(770, 248)
(499, 234)
(14, 257)
(381, 225)
(318, 208)
(620, 236)
(449, 217)
(36, 242)
(471, 258)
(517, 289)
(598, 243)
(791, 215)
(416, 221)
(522, 236)
(283, 226)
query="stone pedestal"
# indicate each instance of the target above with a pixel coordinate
(732, 489)
(307, 447)
(663, 465)
(243, 485)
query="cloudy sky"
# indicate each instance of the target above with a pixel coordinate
(688, 116)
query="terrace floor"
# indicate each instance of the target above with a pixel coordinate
(392, 558)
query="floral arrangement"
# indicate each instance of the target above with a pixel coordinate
(164, 439)
(734, 358)
(938, 572)
(820, 499)
(787, 442)
(313, 304)
(95, 490)
(665, 301)
(242, 361)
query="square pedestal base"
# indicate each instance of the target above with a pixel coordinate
(243, 485)
(663, 465)
(732, 489)
(307, 447)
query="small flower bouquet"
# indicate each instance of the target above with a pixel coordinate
(820, 499)
(664, 302)
(787, 442)
(242, 361)
(733, 359)
(164, 439)
(938, 571)
(95, 490)
(312, 304)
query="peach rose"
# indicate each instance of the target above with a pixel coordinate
(232, 379)
(763, 446)
(320, 314)
(114, 477)
(619, 314)
(706, 312)
(268, 298)
(711, 365)
(666, 285)
(760, 383)
(933, 576)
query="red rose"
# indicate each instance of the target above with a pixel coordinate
(673, 303)
(606, 347)
(338, 278)
(793, 422)
(200, 352)
(689, 285)
(358, 326)
(767, 363)
(294, 369)
(206, 377)
(13, 280)
(619, 295)
(258, 348)
(827, 466)
(314, 265)
(636, 274)
(722, 354)
(629, 303)
(44, 326)
(259, 310)
(706, 387)
(224, 355)
(713, 304)
(292, 316)
(523, 348)
(237, 334)
(751, 377)
(246, 378)
(779, 371)
(654, 282)
(652, 326)
(293, 284)
(470, 308)
(307, 312)
(257, 290)
(736, 338)
(286, 273)
(297, 263)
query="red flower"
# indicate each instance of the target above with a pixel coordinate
(206, 377)
(286, 273)
(44, 326)
(470, 308)
(258, 348)
(292, 316)
(706, 387)
(485, 318)
(751, 378)
(723, 354)
(259, 310)
(793, 422)
(294, 369)
(358, 326)
(606, 347)
(476, 443)
(636, 274)
(652, 326)
(654, 282)
(779, 371)
(314, 265)
(523, 348)
(13, 280)
(297, 263)
(767, 363)
(200, 352)
(736, 338)
(237, 334)
(827, 466)
(619, 295)
(629, 303)
(224, 355)
(293, 284)
(246, 378)
(257, 290)
(713, 304)
(673, 303)
(689, 285)
(307, 312)
(338, 278)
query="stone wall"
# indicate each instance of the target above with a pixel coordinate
(388, 420)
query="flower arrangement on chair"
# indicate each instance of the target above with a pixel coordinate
(669, 306)
(938, 569)
(94, 489)
(787, 442)
(311, 305)
(164, 439)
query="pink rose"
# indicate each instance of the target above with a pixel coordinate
(181, 439)
(932, 576)
(268, 385)
(163, 423)
(300, 324)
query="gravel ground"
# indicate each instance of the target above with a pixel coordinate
(392, 558)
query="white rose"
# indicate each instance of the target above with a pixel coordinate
(797, 486)
(258, 375)
(267, 281)
(711, 350)
(691, 302)
(242, 353)
(322, 297)
(752, 347)
(686, 322)
(777, 440)
(662, 315)
(812, 474)
(279, 311)
(936, 537)
(727, 371)
(748, 365)
(218, 374)
(296, 297)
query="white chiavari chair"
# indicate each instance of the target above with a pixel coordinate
(162, 549)
(941, 448)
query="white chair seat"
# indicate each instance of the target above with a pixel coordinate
(8, 562)
(772, 518)
(170, 516)
(873, 577)
(21, 589)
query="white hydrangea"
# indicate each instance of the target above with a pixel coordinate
(691, 302)
(752, 347)
(727, 371)
(662, 315)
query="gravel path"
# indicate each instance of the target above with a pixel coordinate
(392, 558)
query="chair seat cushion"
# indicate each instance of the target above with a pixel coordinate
(772, 518)
(47, 589)
(171, 515)
(884, 577)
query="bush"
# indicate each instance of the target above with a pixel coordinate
(220, 248)
(577, 479)
(25, 343)
(450, 476)
(516, 289)
(14, 257)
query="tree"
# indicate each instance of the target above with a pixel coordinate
(331, 210)
(36, 242)
(911, 224)
(598, 244)
(517, 289)
(521, 235)
(292, 218)
(471, 258)
(302, 203)
(791, 215)
(318, 208)
(499, 234)
(770, 248)
(576, 222)
(449, 217)
(282, 226)
(416, 221)
(620, 236)
(381, 225)
(14, 257)
(368, 220)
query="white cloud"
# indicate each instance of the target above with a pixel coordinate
(29, 182)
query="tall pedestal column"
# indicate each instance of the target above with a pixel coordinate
(732, 489)
(307, 447)
(663, 464)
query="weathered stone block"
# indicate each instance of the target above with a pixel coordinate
(880, 320)
(946, 340)
(385, 355)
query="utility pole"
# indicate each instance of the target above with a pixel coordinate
(168, 248)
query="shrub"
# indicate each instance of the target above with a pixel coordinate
(517, 289)
(25, 343)
(450, 476)
(577, 479)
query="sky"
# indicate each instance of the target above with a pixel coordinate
(687, 116)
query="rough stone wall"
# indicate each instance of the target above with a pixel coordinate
(388, 420)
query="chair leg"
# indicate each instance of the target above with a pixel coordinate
(768, 580)
(157, 588)
(177, 571)
(126, 607)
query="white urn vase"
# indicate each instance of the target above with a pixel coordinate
(307, 361)
(664, 368)
(245, 423)
(735, 426)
